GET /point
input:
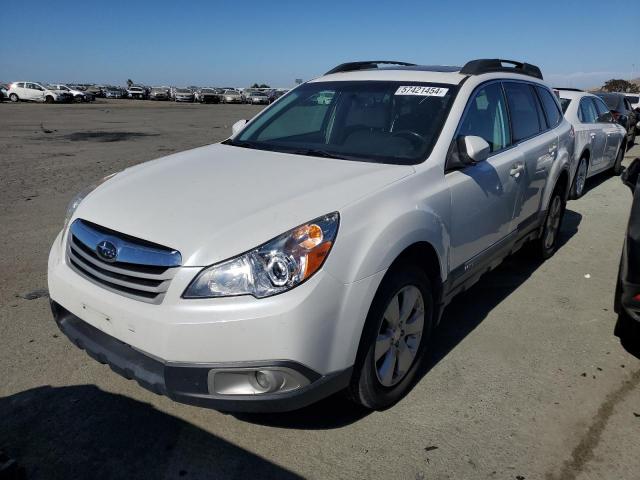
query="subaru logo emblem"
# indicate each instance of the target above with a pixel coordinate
(107, 251)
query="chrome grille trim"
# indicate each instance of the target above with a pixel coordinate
(142, 270)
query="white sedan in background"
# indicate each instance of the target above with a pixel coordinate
(598, 137)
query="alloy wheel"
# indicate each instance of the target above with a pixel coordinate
(399, 336)
(553, 222)
(581, 177)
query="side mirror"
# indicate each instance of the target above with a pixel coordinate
(630, 175)
(236, 127)
(476, 148)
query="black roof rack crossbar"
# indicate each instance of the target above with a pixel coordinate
(569, 89)
(366, 65)
(488, 65)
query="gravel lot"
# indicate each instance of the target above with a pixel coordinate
(525, 381)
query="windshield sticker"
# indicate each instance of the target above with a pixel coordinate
(422, 91)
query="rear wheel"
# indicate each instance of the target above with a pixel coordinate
(617, 166)
(580, 179)
(547, 244)
(393, 343)
(13, 97)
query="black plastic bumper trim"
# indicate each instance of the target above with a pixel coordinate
(187, 383)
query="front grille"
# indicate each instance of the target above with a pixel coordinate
(142, 270)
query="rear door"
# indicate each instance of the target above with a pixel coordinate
(483, 196)
(538, 144)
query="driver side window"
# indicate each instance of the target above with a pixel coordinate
(486, 117)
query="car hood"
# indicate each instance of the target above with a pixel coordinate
(215, 202)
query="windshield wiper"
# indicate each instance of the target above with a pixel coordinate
(313, 152)
(238, 143)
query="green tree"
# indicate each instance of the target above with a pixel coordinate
(619, 85)
(262, 85)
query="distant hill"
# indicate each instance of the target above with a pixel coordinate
(635, 81)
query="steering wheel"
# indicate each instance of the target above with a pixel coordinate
(413, 137)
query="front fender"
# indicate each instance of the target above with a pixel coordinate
(373, 233)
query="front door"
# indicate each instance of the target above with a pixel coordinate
(483, 196)
(614, 137)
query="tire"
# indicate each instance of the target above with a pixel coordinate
(49, 99)
(547, 244)
(617, 166)
(580, 180)
(14, 98)
(379, 384)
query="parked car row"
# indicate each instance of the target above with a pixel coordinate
(41, 92)
(56, 93)
(605, 128)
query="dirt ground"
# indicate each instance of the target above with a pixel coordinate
(525, 378)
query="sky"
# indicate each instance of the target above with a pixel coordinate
(575, 43)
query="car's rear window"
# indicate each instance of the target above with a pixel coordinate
(564, 103)
(374, 121)
(612, 101)
(633, 99)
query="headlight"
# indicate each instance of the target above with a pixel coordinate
(75, 201)
(274, 267)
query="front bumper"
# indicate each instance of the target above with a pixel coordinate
(188, 383)
(317, 324)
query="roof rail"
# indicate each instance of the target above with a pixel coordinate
(366, 65)
(486, 65)
(570, 89)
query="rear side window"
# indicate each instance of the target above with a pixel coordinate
(524, 110)
(550, 107)
(487, 117)
(588, 112)
(604, 115)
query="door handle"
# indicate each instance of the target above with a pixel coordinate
(592, 135)
(516, 170)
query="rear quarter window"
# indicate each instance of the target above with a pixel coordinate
(554, 116)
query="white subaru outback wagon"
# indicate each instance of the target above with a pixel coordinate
(315, 250)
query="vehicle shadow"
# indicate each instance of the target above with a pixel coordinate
(83, 432)
(594, 182)
(460, 318)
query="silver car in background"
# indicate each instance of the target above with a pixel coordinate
(258, 98)
(599, 139)
(232, 96)
(184, 95)
(159, 93)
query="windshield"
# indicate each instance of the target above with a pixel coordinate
(383, 122)
(183, 90)
(231, 92)
(207, 90)
(564, 103)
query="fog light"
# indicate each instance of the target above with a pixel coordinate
(251, 381)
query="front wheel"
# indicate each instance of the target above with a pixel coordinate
(49, 99)
(393, 342)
